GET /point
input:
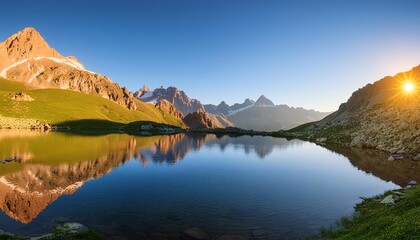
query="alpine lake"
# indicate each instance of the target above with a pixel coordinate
(154, 187)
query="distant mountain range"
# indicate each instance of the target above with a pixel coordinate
(260, 115)
(264, 115)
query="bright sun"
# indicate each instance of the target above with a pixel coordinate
(408, 87)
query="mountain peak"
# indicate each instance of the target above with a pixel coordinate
(25, 44)
(248, 101)
(145, 88)
(222, 103)
(264, 101)
(29, 31)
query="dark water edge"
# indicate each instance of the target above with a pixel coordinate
(175, 150)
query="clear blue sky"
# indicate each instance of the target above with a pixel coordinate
(310, 54)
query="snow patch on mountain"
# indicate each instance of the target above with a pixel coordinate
(66, 61)
(239, 110)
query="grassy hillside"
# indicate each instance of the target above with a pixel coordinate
(55, 106)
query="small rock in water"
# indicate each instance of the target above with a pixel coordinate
(412, 183)
(417, 157)
(231, 237)
(391, 158)
(195, 233)
(73, 228)
(389, 200)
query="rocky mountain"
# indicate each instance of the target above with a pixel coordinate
(264, 115)
(27, 57)
(178, 98)
(383, 115)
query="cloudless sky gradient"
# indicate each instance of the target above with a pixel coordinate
(310, 54)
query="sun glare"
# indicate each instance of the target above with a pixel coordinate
(408, 87)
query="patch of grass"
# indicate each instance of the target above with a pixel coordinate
(374, 220)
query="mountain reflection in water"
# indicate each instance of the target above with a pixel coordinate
(41, 167)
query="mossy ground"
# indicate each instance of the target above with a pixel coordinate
(374, 220)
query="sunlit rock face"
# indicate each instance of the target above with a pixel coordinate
(167, 107)
(27, 57)
(382, 115)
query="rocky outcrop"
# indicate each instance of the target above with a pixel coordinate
(22, 97)
(199, 119)
(27, 57)
(167, 107)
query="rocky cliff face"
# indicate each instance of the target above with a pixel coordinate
(380, 115)
(167, 107)
(27, 57)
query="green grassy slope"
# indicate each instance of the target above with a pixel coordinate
(56, 106)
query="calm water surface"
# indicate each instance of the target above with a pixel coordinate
(143, 187)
